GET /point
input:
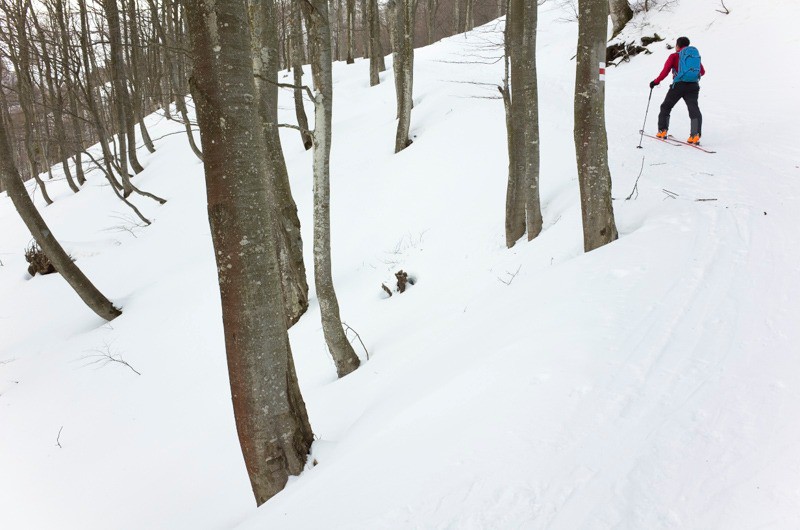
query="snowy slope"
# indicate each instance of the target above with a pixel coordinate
(652, 383)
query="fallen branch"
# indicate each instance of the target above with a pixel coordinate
(104, 357)
(348, 328)
(58, 438)
(512, 276)
(636, 184)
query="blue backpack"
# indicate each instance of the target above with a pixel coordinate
(688, 66)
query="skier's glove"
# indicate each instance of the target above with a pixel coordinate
(653, 84)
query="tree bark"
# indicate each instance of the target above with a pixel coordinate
(69, 86)
(621, 14)
(298, 58)
(287, 225)
(591, 143)
(376, 61)
(120, 91)
(45, 238)
(404, 69)
(270, 414)
(351, 31)
(22, 64)
(319, 37)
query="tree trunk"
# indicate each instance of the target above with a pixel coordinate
(351, 31)
(297, 72)
(25, 94)
(121, 99)
(319, 37)
(376, 62)
(621, 14)
(404, 69)
(432, 7)
(45, 238)
(469, 16)
(69, 86)
(591, 143)
(364, 31)
(287, 225)
(270, 414)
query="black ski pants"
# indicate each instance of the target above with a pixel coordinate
(689, 93)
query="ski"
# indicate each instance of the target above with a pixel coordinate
(703, 149)
(667, 141)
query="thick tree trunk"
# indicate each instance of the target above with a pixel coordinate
(621, 14)
(319, 37)
(44, 237)
(514, 103)
(271, 418)
(287, 224)
(591, 143)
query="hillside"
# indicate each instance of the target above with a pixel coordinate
(652, 383)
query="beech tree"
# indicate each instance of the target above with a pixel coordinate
(591, 142)
(12, 182)
(402, 26)
(270, 414)
(376, 60)
(523, 207)
(264, 24)
(319, 38)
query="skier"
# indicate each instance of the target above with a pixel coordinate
(686, 72)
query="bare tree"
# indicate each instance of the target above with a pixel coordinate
(319, 37)
(351, 30)
(270, 414)
(264, 20)
(376, 60)
(403, 64)
(591, 142)
(523, 208)
(298, 58)
(44, 236)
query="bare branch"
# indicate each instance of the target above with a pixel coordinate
(348, 328)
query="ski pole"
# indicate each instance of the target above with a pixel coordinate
(645, 119)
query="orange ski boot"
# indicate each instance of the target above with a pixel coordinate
(662, 134)
(694, 139)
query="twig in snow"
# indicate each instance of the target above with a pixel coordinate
(105, 356)
(511, 276)
(58, 438)
(636, 184)
(704, 200)
(348, 328)
(670, 194)
(727, 11)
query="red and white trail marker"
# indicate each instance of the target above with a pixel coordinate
(602, 72)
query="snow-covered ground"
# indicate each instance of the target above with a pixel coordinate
(653, 383)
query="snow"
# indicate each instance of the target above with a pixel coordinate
(649, 384)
